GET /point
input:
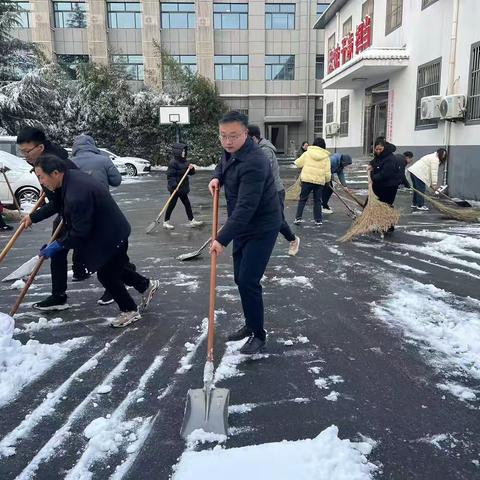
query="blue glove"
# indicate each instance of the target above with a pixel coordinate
(49, 251)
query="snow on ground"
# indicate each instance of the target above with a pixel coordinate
(22, 364)
(325, 457)
(445, 327)
(186, 360)
(298, 281)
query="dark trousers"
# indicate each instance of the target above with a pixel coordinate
(116, 273)
(326, 194)
(285, 229)
(250, 259)
(186, 203)
(385, 194)
(419, 185)
(317, 200)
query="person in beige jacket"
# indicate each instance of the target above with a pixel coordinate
(424, 173)
(315, 165)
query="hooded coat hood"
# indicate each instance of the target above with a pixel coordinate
(346, 160)
(177, 149)
(84, 143)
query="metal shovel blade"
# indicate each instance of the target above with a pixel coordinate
(151, 227)
(206, 409)
(189, 256)
(23, 270)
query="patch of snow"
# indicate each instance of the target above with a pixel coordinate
(460, 391)
(102, 389)
(200, 436)
(298, 281)
(228, 366)
(41, 324)
(17, 285)
(185, 361)
(332, 396)
(243, 408)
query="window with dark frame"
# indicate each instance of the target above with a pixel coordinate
(318, 121)
(394, 15)
(124, 15)
(24, 15)
(187, 62)
(347, 27)
(319, 67)
(331, 42)
(231, 67)
(280, 16)
(279, 67)
(473, 101)
(131, 64)
(69, 15)
(177, 15)
(427, 3)
(321, 7)
(428, 83)
(230, 16)
(367, 9)
(329, 113)
(344, 114)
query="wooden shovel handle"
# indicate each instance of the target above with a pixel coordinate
(19, 230)
(213, 277)
(32, 276)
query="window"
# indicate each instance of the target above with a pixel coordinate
(344, 112)
(124, 15)
(230, 16)
(394, 15)
(367, 9)
(428, 83)
(24, 17)
(319, 66)
(331, 42)
(187, 62)
(318, 122)
(231, 67)
(347, 27)
(321, 7)
(178, 15)
(427, 3)
(70, 63)
(280, 16)
(329, 113)
(131, 64)
(279, 67)
(473, 102)
(243, 111)
(69, 15)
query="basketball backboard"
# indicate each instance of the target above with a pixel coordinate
(177, 115)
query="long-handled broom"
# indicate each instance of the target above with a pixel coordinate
(293, 191)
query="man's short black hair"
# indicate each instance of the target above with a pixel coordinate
(408, 154)
(254, 131)
(49, 163)
(31, 134)
(234, 116)
(319, 142)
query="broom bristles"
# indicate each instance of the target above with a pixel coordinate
(462, 215)
(293, 192)
(376, 217)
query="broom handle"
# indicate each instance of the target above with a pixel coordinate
(15, 201)
(32, 276)
(345, 204)
(19, 230)
(351, 195)
(213, 276)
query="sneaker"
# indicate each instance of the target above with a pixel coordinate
(194, 223)
(168, 225)
(293, 249)
(148, 294)
(105, 299)
(297, 221)
(240, 334)
(319, 222)
(6, 228)
(424, 208)
(126, 318)
(327, 210)
(53, 302)
(80, 277)
(413, 207)
(252, 346)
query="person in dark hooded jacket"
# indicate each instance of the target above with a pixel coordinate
(337, 163)
(177, 167)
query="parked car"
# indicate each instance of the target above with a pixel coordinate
(135, 166)
(23, 181)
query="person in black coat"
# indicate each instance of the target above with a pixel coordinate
(177, 167)
(96, 227)
(254, 220)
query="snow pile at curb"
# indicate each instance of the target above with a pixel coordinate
(326, 457)
(21, 364)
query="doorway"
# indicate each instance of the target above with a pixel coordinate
(278, 135)
(376, 115)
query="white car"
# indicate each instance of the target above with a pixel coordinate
(23, 181)
(134, 165)
(122, 169)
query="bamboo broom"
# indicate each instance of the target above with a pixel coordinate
(293, 192)
(376, 217)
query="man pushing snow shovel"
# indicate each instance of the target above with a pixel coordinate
(254, 220)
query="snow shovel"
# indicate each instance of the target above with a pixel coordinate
(190, 256)
(207, 408)
(35, 270)
(155, 223)
(20, 229)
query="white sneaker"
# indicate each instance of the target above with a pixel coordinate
(424, 208)
(328, 211)
(297, 221)
(294, 246)
(148, 295)
(194, 223)
(126, 318)
(168, 225)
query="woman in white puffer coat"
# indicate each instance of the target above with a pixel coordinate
(424, 173)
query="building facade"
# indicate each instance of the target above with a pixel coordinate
(383, 57)
(264, 56)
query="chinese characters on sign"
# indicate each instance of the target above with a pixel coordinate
(363, 39)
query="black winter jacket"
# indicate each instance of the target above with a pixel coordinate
(176, 170)
(94, 224)
(252, 199)
(386, 169)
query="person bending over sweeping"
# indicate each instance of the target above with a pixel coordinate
(177, 167)
(337, 163)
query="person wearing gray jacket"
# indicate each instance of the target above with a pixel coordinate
(89, 158)
(271, 153)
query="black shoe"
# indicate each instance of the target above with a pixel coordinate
(240, 334)
(253, 345)
(105, 299)
(80, 277)
(5, 227)
(53, 302)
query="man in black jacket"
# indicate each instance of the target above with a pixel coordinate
(96, 227)
(253, 223)
(32, 143)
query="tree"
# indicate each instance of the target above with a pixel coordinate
(78, 18)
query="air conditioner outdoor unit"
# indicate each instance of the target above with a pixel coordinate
(453, 106)
(332, 128)
(430, 107)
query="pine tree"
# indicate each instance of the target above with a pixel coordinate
(77, 18)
